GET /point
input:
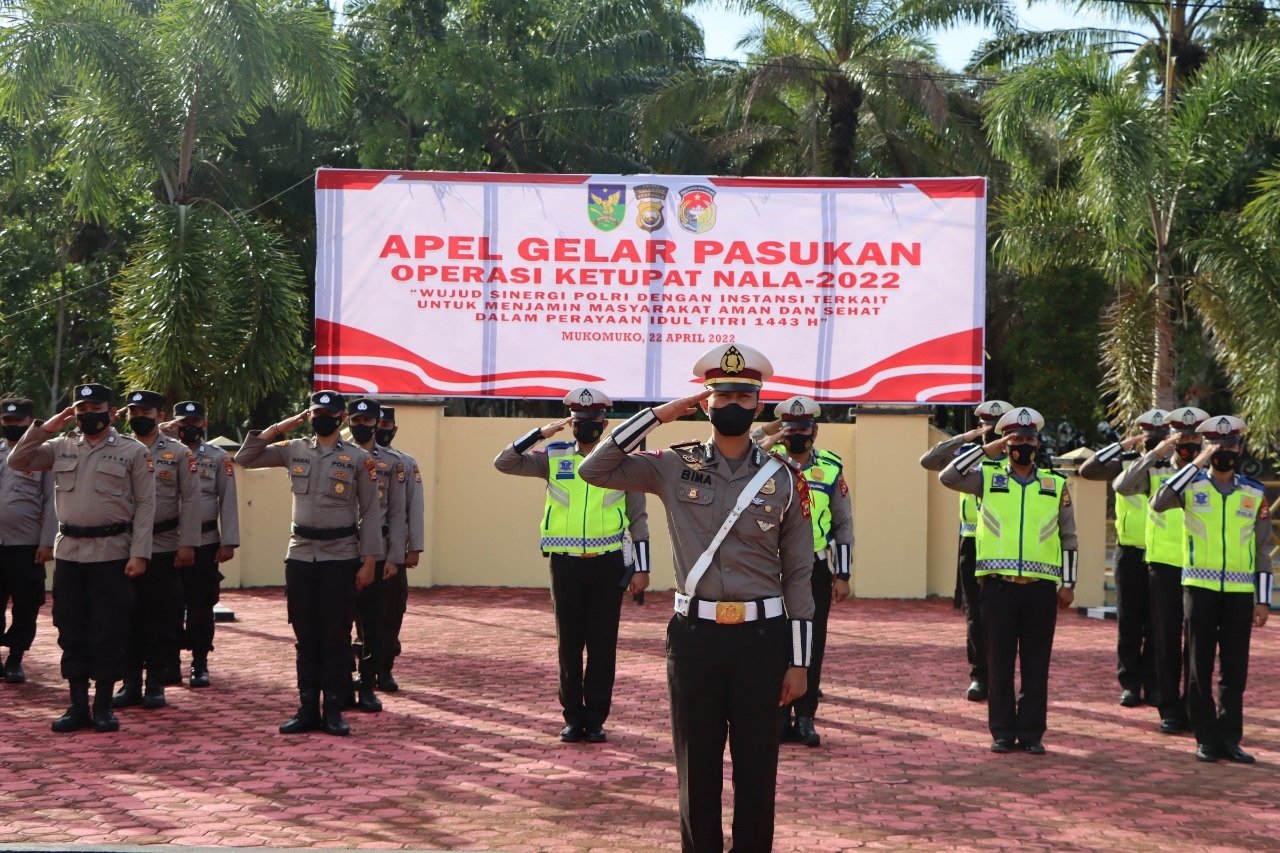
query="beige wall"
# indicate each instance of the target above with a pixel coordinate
(482, 526)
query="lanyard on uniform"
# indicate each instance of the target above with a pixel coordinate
(700, 567)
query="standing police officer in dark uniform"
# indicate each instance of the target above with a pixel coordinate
(397, 595)
(742, 540)
(1026, 545)
(583, 531)
(27, 529)
(219, 538)
(336, 536)
(1135, 647)
(153, 641)
(937, 459)
(105, 492)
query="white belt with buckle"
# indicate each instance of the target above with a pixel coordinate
(730, 612)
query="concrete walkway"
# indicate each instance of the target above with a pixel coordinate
(465, 756)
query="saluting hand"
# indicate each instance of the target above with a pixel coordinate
(997, 448)
(554, 427)
(169, 428)
(293, 422)
(1205, 455)
(1165, 448)
(668, 412)
(1131, 442)
(976, 432)
(60, 420)
(794, 685)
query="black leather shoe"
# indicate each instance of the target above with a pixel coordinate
(331, 718)
(1170, 726)
(199, 671)
(1036, 748)
(1130, 699)
(805, 732)
(1002, 745)
(1206, 753)
(387, 682)
(173, 673)
(104, 719)
(153, 696)
(307, 719)
(13, 673)
(596, 734)
(78, 715)
(1238, 755)
(129, 694)
(572, 733)
(366, 701)
(977, 692)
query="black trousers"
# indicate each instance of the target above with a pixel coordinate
(321, 598)
(370, 625)
(22, 582)
(156, 595)
(971, 598)
(725, 680)
(201, 590)
(1218, 623)
(1165, 583)
(807, 705)
(586, 595)
(1135, 646)
(92, 603)
(397, 602)
(1020, 621)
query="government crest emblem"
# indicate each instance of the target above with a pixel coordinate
(606, 205)
(697, 210)
(649, 200)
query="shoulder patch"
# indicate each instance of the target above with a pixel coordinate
(802, 489)
(844, 487)
(151, 465)
(399, 472)
(372, 468)
(694, 443)
(1066, 497)
(654, 453)
(417, 475)
(192, 465)
(228, 467)
(282, 443)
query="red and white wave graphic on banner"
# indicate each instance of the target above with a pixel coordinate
(351, 360)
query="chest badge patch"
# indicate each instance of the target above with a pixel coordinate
(766, 526)
(816, 475)
(769, 487)
(339, 488)
(299, 469)
(342, 457)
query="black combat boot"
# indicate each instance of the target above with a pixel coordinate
(199, 669)
(173, 671)
(365, 700)
(805, 732)
(104, 719)
(13, 673)
(130, 692)
(386, 681)
(331, 720)
(307, 719)
(153, 696)
(78, 715)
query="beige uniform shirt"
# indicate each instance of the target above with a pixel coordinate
(218, 505)
(177, 495)
(333, 487)
(26, 505)
(415, 505)
(392, 496)
(112, 482)
(768, 552)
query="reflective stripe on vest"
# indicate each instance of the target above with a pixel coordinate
(968, 515)
(1018, 525)
(579, 518)
(1164, 529)
(1218, 549)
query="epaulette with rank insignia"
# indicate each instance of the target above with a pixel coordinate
(373, 468)
(690, 452)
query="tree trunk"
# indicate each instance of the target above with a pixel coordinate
(1162, 362)
(55, 387)
(844, 100)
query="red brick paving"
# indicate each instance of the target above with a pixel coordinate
(465, 756)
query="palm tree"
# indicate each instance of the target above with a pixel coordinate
(1115, 199)
(148, 99)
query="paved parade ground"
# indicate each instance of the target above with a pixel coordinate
(465, 756)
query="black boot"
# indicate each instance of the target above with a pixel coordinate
(130, 692)
(78, 715)
(13, 673)
(173, 671)
(387, 682)
(104, 719)
(153, 696)
(331, 721)
(199, 669)
(308, 717)
(365, 700)
(805, 732)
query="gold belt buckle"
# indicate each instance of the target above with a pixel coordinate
(731, 612)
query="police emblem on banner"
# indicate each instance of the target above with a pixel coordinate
(606, 205)
(649, 199)
(697, 211)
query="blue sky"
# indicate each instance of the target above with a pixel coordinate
(723, 29)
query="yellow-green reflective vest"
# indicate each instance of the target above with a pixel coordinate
(579, 518)
(1131, 520)
(1164, 529)
(823, 476)
(1218, 551)
(968, 515)
(1018, 524)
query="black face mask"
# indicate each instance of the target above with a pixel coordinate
(732, 420)
(1187, 452)
(13, 433)
(190, 434)
(587, 432)
(383, 437)
(362, 433)
(1022, 454)
(142, 425)
(93, 423)
(1224, 460)
(1152, 442)
(324, 425)
(798, 443)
